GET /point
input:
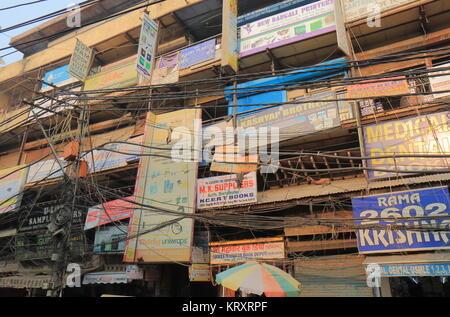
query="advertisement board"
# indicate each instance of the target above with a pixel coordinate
(147, 46)
(441, 82)
(376, 88)
(241, 251)
(47, 107)
(108, 212)
(59, 77)
(199, 273)
(425, 134)
(230, 46)
(166, 70)
(197, 54)
(424, 269)
(110, 239)
(164, 183)
(12, 181)
(81, 61)
(287, 27)
(40, 217)
(297, 119)
(117, 75)
(416, 209)
(49, 169)
(221, 191)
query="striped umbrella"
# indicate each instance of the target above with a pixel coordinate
(259, 278)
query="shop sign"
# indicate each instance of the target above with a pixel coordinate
(230, 49)
(59, 77)
(441, 82)
(288, 27)
(199, 273)
(227, 159)
(426, 269)
(117, 75)
(241, 251)
(110, 239)
(361, 9)
(134, 148)
(101, 160)
(48, 168)
(200, 249)
(40, 217)
(167, 70)
(49, 107)
(221, 191)
(374, 88)
(134, 272)
(81, 61)
(296, 119)
(426, 208)
(12, 181)
(198, 53)
(167, 184)
(147, 46)
(105, 278)
(108, 212)
(344, 43)
(429, 134)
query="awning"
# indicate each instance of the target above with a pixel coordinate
(25, 281)
(105, 278)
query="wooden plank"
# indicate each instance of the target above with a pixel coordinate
(302, 246)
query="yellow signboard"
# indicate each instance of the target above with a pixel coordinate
(166, 188)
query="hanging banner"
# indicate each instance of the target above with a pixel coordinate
(110, 239)
(426, 208)
(224, 191)
(165, 181)
(59, 77)
(247, 250)
(12, 181)
(344, 43)
(108, 212)
(296, 119)
(230, 49)
(375, 88)
(40, 217)
(197, 54)
(49, 169)
(147, 46)
(81, 61)
(441, 81)
(425, 134)
(117, 75)
(167, 70)
(288, 27)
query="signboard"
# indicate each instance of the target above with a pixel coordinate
(288, 27)
(117, 75)
(40, 217)
(81, 60)
(59, 77)
(147, 46)
(200, 249)
(227, 159)
(425, 269)
(52, 106)
(230, 49)
(221, 191)
(423, 208)
(297, 119)
(110, 239)
(375, 88)
(198, 53)
(40, 170)
(344, 43)
(241, 251)
(199, 273)
(167, 70)
(101, 160)
(168, 184)
(134, 272)
(108, 212)
(361, 9)
(441, 82)
(134, 148)
(12, 181)
(428, 134)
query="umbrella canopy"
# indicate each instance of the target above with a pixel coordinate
(259, 278)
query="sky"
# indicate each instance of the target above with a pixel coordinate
(21, 14)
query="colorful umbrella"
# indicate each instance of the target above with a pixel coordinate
(259, 278)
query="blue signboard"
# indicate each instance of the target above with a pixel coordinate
(425, 269)
(59, 77)
(197, 54)
(425, 209)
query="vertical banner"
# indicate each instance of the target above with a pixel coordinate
(343, 42)
(230, 51)
(81, 61)
(147, 46)
(166, 183)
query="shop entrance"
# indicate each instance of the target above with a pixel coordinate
(429, 286)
